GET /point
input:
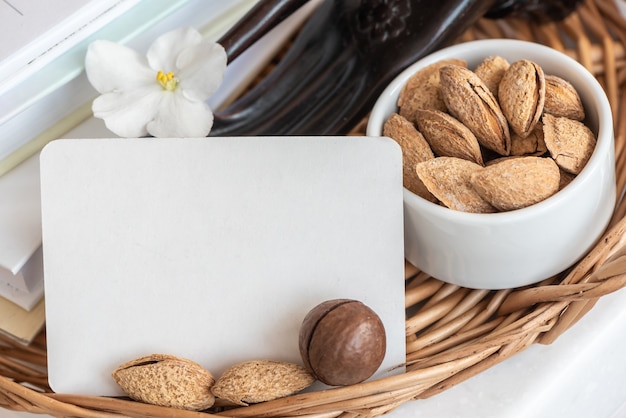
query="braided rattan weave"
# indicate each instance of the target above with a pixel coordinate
(453, 333)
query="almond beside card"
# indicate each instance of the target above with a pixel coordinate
(213, 249)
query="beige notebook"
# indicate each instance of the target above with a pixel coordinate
(19, 324)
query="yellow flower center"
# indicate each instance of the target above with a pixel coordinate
(168, 80)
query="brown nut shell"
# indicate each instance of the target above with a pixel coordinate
(517, 182)
(469, 100)
(533, 144)
(166, 380)
(569, 141)
(448, 178)
(562, 99)
(342, 342)
(261, 381)
(491, 70)
(522, 94)
(414, 150)
(422, 90)
(448, 137)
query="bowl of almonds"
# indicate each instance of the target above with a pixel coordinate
(508, 161)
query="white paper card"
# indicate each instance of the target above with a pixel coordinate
(213, 249)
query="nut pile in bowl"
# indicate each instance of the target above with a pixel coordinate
(501, 137)
(507, 183)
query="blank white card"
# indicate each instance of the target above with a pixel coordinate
(213, 249)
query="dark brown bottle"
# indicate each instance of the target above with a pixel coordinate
(344, 56)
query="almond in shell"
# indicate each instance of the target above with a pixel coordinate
(566, 178)
(260, 381)
(165, 380)
(515, 183)
(533, 144)
(448, 178)
(415, 149)
(569, 141)
(522, 94)
(562, 99)
(469, 100)
(422, 90)
(447, 136)
(491, 70)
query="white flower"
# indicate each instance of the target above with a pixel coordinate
(162, 94)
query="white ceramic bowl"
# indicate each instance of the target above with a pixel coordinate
(521, 247)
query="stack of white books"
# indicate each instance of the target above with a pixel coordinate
(45, 95)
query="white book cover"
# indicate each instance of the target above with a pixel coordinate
(20, 232)
(32, 273)
(41, 30)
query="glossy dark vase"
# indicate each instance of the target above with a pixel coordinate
(341, 60)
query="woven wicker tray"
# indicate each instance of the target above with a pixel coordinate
(453, 333)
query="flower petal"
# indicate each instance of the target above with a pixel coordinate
(164, 50)
(178, 117)
(110, 67)
(127, 113)
(201, 70)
